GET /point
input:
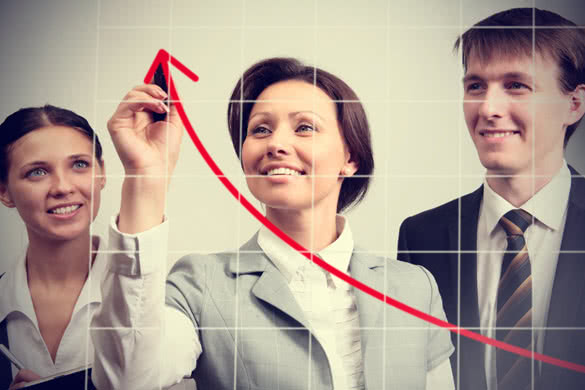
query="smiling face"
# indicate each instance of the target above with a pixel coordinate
(516, 114)
(294, 152)
(49, 181)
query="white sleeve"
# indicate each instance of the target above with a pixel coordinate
(440, 377)
(139, 342)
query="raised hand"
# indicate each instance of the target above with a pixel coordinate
(146, 147)
(149, 151)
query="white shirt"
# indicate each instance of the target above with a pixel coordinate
(24, 338)
(543, 239)
(328, 303)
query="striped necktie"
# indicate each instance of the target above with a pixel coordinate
(514, 316)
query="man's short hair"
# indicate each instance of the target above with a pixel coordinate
(496, 36)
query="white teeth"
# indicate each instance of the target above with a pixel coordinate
(65, 210)
(497, 134)
(283, 171)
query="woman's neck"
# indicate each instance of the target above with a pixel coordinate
(314, 229)
(50, 262)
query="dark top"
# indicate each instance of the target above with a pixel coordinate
(5, 365)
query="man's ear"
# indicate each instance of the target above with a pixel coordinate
(577, 108)
(5, 197)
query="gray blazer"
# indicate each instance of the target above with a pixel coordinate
(254, 333)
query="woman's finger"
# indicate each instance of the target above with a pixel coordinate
(22, 377)
(132, 106)
(174, 117)
(127, 109)
(144, 92)
(150, 89)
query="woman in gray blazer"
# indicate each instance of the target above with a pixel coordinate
(263, 317)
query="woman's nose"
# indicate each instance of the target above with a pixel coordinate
(279, 144)
(61, 184)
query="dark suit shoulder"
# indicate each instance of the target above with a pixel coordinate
(577, 193)
(439, 213)
(448, 210)
(430, 229)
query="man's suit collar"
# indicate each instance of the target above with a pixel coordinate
(470, 204)
(462, 229)
(463, 259)
(577, 194)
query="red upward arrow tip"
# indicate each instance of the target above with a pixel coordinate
(163, 57)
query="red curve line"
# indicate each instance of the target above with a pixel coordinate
(164, 58)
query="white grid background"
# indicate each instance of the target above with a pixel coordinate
(413, 105)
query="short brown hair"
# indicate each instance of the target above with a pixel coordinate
(565, 45)
(350, 116)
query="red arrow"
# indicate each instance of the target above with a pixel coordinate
(163, 57)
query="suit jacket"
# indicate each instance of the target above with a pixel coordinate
(431, 239)
(242, 306)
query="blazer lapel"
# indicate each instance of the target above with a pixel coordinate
(468, 295)
(371, 313)
(362, 268)
(273, 289)
(568, 292)
(471, 353)
(271, 286)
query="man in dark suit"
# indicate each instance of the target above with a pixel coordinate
(509, 258)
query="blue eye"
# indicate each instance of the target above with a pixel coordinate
(473, 87)
(80, 164)
(305, 128)
(516, 85)
(36, 172)
(260, 130)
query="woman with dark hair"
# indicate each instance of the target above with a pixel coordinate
(52, 173)
(265, 317)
